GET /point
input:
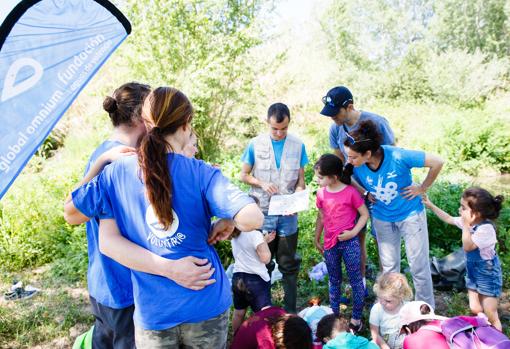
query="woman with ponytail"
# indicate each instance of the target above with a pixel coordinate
(385, 173)
(339, 203)
(163, 201)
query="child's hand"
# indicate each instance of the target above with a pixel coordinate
(270, 236)
(425, 200)
(346, 235)
(318, 245)
(467, 218)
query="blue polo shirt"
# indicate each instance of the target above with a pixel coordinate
(388, 181)
(108, 281)
(199, 192)
(337, 133)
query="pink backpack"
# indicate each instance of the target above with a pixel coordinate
(471, 332)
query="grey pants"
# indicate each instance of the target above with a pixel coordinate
(416, 237)
(207, 334)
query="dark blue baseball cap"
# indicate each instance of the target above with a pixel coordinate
(336, 98)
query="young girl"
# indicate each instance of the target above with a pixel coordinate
(338, 203)
(478, 209)
(333, 332)
(422, 327)
(393, 292)
(251, 284)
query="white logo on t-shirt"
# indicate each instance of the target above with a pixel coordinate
(391, 174)
(387, 193)
(157, 228)
(160, 237)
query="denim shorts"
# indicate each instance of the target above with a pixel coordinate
(283, 225)
(250, 290)
(484, 277)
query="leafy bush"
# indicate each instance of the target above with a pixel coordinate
(202, 47)
(463, 78)
(472, 148)
(444, 238)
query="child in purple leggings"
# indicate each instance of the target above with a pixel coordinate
(339, 203)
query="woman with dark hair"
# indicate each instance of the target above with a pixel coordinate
(273, 328)
(163, 201)
(385, 172)
(109, 283)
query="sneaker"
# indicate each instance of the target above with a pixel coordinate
(21, 293)
(355, 329)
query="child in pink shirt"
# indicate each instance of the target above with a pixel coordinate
(339, 203)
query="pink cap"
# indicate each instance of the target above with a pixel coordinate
(410, 312)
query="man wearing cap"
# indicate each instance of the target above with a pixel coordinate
(339, 106)
(274, 164)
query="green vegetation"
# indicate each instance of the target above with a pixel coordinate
(440, 75)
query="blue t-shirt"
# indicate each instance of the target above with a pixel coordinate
(388, 181)
(199, 192)
(248, 156)
(108, 281)
(337, 133)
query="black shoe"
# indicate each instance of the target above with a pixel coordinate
(355, 329)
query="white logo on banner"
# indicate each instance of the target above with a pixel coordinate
(11, 89)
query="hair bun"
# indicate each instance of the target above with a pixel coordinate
(498, 199)
(110, 104)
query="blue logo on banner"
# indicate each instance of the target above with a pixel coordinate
(51, 49)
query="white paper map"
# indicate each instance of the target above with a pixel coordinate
(289, 204)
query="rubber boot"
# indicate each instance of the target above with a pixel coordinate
(289, 283)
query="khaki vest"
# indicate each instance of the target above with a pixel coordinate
(264, 168)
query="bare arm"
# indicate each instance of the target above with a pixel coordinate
(249, 218)
(442, 215)
(301, 180)
(435, 164)
(71, 214)
(467, 242)
(247, 178)
(319, 227)
(189, 272)
(376, 337)
(263, 252)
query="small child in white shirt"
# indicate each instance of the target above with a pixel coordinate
(251, 283)
(392, 292)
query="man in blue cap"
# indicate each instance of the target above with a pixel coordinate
(339, 106)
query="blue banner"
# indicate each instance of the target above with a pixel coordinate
(49, 50)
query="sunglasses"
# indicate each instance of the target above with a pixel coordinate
(352, 141)
(327, 100)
